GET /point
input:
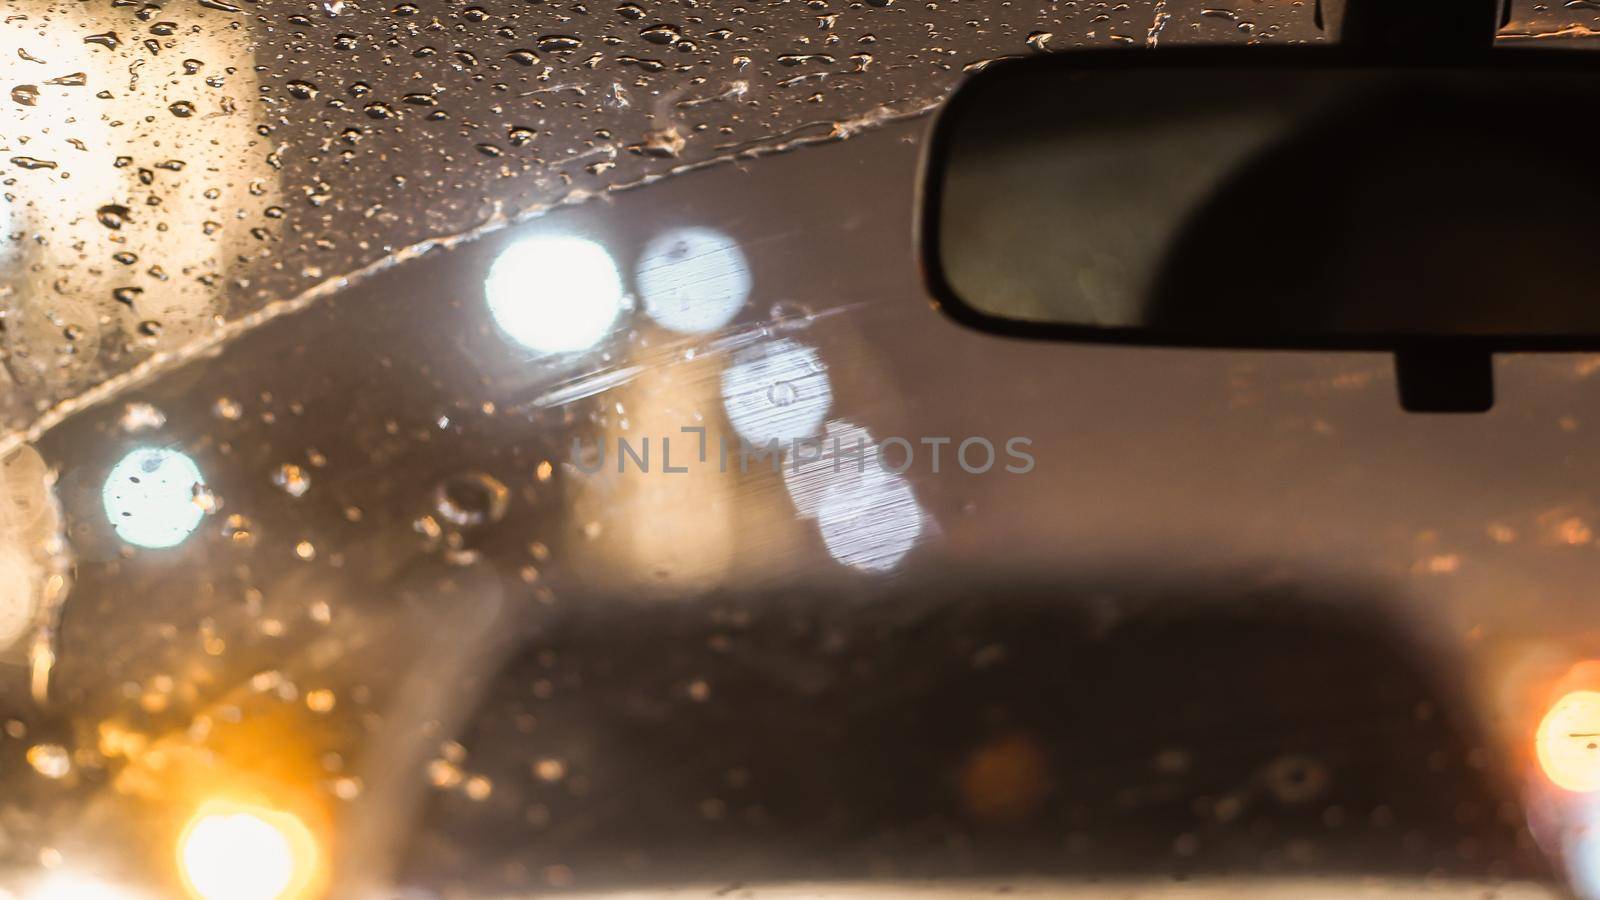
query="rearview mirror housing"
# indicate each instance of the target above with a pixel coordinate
(1302, 198)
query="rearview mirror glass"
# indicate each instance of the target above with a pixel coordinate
(1269, 198)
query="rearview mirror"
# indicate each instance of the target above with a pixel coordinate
(1285, 198)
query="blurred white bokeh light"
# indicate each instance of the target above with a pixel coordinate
(693, 280)
(152, 497)
(554, 294)
(868, 517)
(238, 855)
(778, 390)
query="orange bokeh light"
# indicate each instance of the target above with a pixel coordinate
(1568, 742)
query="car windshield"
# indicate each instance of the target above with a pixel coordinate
(505, 449)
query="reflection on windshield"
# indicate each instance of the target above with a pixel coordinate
(693, 280)
(868, 516)
(554, 294)
(778, 391)
(872, 529)
(153, 497)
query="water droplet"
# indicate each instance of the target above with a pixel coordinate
(559, 43)
(26, 94)
(470, 499)
(205, 498)
(183, 109)
(442, 773)
(666, 142)
(292, 479)
(50, 760)
(798, 59)
(783, 393)
(138, 417)
(112, 215)
(477, 788)
(662, 34)
(239, 530)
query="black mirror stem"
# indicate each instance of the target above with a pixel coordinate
(1414, 29)
(1440, 378)
(1432, 377)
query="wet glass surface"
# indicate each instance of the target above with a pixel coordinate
(173, 170)
(328, 582)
